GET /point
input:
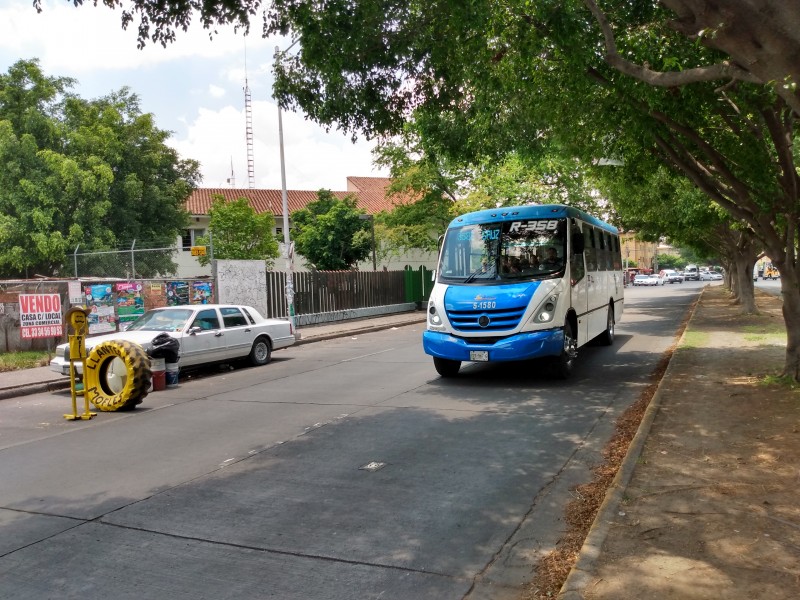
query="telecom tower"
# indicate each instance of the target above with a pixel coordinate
(248, 112)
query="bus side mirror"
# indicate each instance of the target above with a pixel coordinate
(577, 243)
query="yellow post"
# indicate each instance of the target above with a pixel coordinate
(76, 318)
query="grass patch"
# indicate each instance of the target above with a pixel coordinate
(14, 361)
(785, 381)
(772, 338)
(768, 328)
(768, 332)
(694, 339)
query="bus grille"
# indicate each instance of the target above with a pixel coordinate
(499, 319)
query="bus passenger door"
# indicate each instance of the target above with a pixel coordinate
(595, 284)
(579, 290)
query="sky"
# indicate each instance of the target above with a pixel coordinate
(194, 88)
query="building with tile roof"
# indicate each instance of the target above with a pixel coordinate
(370, 193)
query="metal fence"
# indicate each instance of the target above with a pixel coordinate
(318, 292)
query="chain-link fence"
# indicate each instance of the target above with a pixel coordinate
(127, 264)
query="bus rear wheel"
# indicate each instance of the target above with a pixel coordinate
(446, 367)
(563, 363)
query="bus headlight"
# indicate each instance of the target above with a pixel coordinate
(433, 316)
(547, 310)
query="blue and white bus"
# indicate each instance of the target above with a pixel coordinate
(522, 282)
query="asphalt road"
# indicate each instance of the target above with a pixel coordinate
(345, 469)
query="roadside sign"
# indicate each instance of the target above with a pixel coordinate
(40, 316)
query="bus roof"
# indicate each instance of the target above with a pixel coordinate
(529, 211)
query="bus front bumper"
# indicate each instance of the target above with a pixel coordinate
(521, 346)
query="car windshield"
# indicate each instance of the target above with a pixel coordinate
(170, 319)
(506, 251)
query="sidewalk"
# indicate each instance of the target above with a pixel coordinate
(42, 379)
(705, 503)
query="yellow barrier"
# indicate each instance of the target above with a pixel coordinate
(76, 319)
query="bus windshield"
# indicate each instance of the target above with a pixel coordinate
(504, 251)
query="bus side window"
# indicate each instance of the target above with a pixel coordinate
(591, 248)
(577, 267)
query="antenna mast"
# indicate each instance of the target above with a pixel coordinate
(232, 179)
(248, 115)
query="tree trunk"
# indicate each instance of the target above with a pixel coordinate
(745, 290)
(732, 279)
(791, 315)
(728, 276)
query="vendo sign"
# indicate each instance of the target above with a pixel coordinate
(40, 316)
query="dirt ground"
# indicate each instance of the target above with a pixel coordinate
(712, 509)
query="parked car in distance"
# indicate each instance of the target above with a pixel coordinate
(206, 333)
(716, 276)
(642, 279)
(670, 276)
(706, 275)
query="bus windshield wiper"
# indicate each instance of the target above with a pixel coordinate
(471, 277)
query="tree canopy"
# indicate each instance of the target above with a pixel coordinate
(82, 173)
(238, 232)
(330, 233)
(760, 40)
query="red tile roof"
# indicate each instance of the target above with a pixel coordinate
(370, 192)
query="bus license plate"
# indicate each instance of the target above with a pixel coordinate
(479, 355)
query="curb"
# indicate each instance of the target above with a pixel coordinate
(355, 331)
(26, 389)
(582, 571)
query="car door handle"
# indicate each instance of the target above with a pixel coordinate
(247, 330)
(218, 334)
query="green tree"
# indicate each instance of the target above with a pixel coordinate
(330, 233)
(670, 261)
(237, 232)
(88, 174)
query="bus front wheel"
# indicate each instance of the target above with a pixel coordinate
(446, 367)
(562, 365)
(607, 337)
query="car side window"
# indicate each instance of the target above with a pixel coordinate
(232, 317)
(206, 320)
(249, 316)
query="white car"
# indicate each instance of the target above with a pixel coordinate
(654, 279)
(670, 276)
(205, 333)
